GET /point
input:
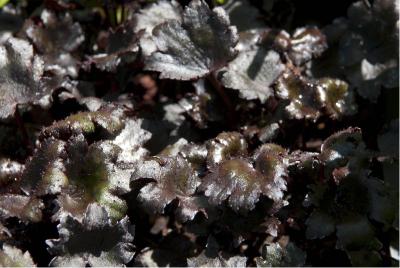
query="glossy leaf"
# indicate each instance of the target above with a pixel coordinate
(201, 43)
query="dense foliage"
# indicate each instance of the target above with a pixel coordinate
(199, 133)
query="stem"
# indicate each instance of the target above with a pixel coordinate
(230, 112)
(24, 132)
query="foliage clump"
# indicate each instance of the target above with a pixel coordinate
(199, 133)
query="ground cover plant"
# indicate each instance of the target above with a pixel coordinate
(199, 133)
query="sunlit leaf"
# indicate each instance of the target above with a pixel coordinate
(23, 207)
(253, 72)
(276, 255)
(13, 257)
(173, 179)
(22, 78)
(93, 242)
(200, 44)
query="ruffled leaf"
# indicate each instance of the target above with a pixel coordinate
(225, 146)
(173, 179)
(44, 173)
(271, 161)
(22, 78)
(107, 121)
(306, 43)
(93, 242)
(55, 39)
(122, 46)
(307, 97)
(237, 181)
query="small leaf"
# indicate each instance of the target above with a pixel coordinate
(155, 14)
(23, 207)
(13, 257)
(337, 97)
(211, 257)
(275, 255)
(253, 72)
(56, 33)
(55, 39)
(21, 77)
(307, 97)
(80, 173)
(319, 225)
(303, 96)
(93, 177)
(203, 42)
(107, 119)
(237, 181)
(131, 139)
(356, 233)
(225, 146)
(271, 161)
(343, 153)
(173, 179)
(122, 46)
(305, 44)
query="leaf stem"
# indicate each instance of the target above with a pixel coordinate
(230, 111)
(24, 132)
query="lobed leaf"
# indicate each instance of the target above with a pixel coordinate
(203, 42)
(93, 242)
(122, 47)
(56, 38)
(22, 78)
(237, 181)
(173, 179)
(307, 97)
(253, 72)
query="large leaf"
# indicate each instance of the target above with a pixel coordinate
(81, 173)
(201, 43)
